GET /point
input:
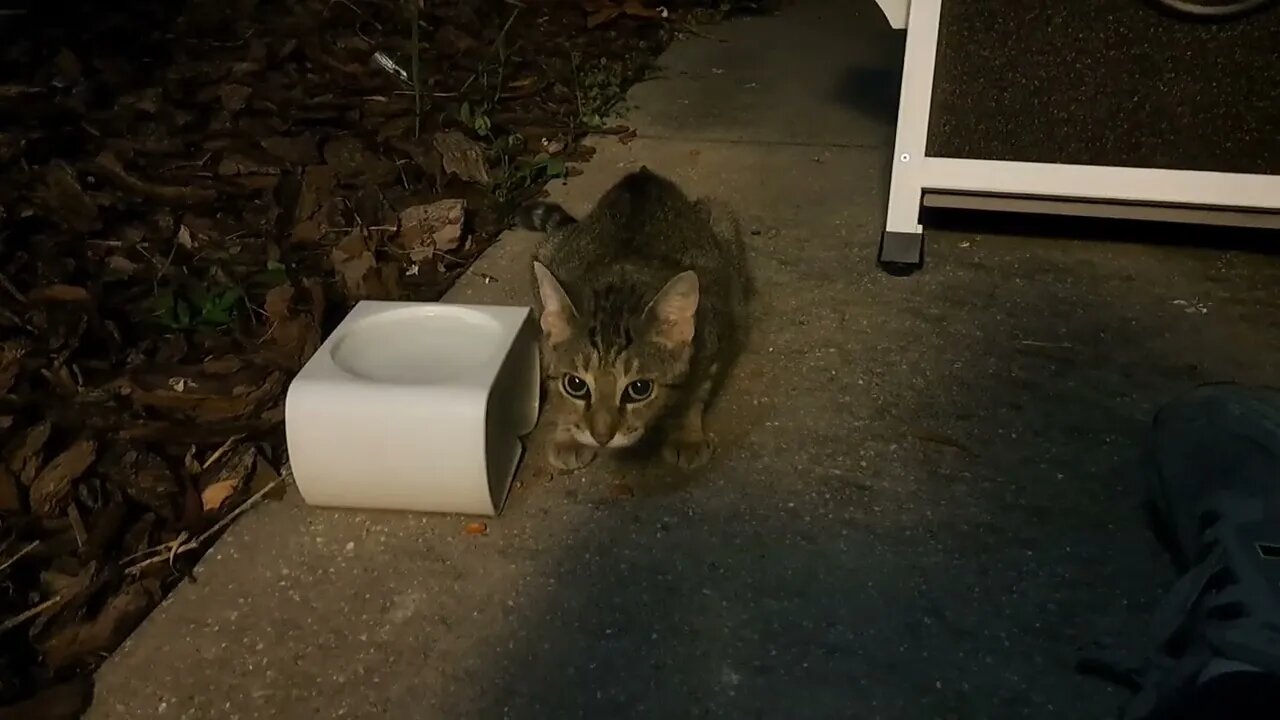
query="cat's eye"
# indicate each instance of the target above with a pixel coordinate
(637, 391)
(575, 387)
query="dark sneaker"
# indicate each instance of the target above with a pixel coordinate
(1213, 464)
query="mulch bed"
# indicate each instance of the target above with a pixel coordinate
(192, 196)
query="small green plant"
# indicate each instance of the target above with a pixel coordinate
(522, 173)
(197, 307)
(476, 117)
(599, 88)
(274, 275)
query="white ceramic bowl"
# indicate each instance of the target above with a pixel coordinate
(415, 406)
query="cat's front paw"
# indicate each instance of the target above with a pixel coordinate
(687, 450)
(569, 454)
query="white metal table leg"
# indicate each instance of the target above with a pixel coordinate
(903, 239)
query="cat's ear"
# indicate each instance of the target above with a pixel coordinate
(673, 310)
(558, 313)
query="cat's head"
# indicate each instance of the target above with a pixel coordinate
(621, 359)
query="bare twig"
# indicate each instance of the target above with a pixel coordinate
(938, 438)
(12, 289)
(416, 70)
(1036, 343)
(20, 618)
(18, 555)
(154, 550)
(358, 12)
(220, 451)
(689, 28)
(577, 93)
(77, 524)
(106, 165)
(501, 47)
(9, 91)
(173, 552)
(177, 550)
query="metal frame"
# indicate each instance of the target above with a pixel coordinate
(1104, 191)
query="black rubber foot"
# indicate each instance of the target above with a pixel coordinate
(901, 253)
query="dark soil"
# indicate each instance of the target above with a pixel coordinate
(192, 194)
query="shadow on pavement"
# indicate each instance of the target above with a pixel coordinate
(937, 531)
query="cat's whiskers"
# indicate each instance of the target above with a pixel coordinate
(583, 436)
(625, 439)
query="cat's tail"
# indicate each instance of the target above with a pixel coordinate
(543, 216)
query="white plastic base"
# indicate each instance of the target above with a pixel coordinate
(415, 406)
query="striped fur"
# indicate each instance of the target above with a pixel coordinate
(650, 287)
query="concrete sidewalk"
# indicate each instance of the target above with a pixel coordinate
(920, 507)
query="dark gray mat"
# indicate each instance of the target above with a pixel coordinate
(1106, 82)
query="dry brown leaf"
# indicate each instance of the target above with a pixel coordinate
(23, 456)
(453, 41)
(10, 499)
(68, 591)
(462, 156)
(108, 166)
(225, 477)
(65, 701)
(65, 200)
(195, 431)
(314, 198)
(104, 529)
(296, 340)
(388, 282)
(121, 265)
(242, 165)
(51, 489)
(635, 8)
(68, 67)
(523, 87)
(223, 365)
(353, 159)
(234, 97)
(293, 150)
(353, 262)
(265, 476)
(315, 287)
(183, 238)
(292, 338)
(100, 635)
(277, 303)
(212, 497)
(53, 582)
(431, 228)
(602, 16)
(11, 353)
(189, 392)
(59, 293)
(190, 464)
(138, 537)
(147, 479)
(602, 11)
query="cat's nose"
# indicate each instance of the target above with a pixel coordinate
(602, 435)
(603, 429)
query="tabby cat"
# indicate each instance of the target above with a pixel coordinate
(643, 308)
